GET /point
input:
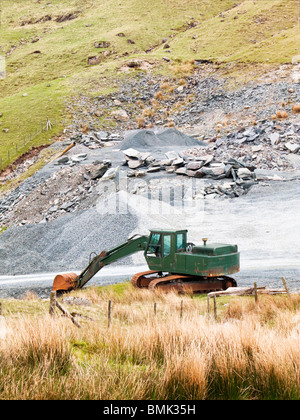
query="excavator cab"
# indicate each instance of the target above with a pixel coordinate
(162, 247)
(163, 242)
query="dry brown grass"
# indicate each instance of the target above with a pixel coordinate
(167, 87)
(140, 122)
(250, 352)
(281, 114)
(296, 108)
(147, 113)
(183, 69)
(159, 96)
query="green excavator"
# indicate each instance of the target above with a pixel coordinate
(174, 264)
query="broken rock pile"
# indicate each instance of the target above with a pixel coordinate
(266, 145)
(65, 191)
(242, 176)
(97, 139)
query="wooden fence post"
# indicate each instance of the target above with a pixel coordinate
(208, 308)
(52, 303)
(65, 312)
(215, 307)
(155, 309)
(255, 293)
(181, 309)
(285, 286)
(109, 314)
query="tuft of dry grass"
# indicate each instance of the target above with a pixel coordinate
(147, 113)
(28, 295)
(296, 108)
(159, 96)
(184, 69)
(167, 87)
(140, 122)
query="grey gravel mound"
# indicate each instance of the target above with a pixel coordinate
(63, 244)
(173, 137)
(169, 137)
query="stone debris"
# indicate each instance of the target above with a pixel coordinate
(79, 158)
(234, 157)
(96, 139)
(242, 176)
(101, 169)
(110, 174)
(267, 145)
(292, 147)
(67, 190)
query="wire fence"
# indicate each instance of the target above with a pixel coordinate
(14, 151)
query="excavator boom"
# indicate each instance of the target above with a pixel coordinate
(70, 281)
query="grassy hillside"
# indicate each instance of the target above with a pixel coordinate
(47, 46)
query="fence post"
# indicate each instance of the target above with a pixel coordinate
(255, 293)
(285, 286)
(52, 303)
(155, 309)
(181, 309)
(109, 314)
(65, 312)
(215, 307)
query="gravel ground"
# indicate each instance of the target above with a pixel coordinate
(62, 245)
(165, 138)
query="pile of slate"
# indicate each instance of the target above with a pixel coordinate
(267, 145)
(242, 177)
(65, 191)
(97, 139)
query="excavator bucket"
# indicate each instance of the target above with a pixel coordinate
(65, 282)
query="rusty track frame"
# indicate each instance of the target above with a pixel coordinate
(181, 283)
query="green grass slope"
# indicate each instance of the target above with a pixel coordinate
(47, 46)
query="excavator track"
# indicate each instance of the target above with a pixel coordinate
(139, 280)
(191, 284)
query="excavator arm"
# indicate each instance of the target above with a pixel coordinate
(70, 281)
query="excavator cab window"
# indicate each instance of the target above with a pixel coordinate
(180, 242)
(154, 247)
(167, 245)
